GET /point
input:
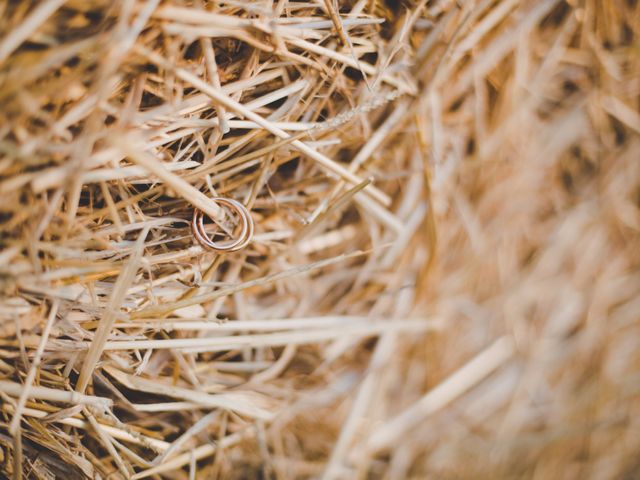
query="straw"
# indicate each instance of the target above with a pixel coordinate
(443, 280)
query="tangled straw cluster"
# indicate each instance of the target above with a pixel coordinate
(444, 279)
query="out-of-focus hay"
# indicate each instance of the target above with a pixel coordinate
(445, 278)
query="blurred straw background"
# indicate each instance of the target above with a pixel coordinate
(444, 281)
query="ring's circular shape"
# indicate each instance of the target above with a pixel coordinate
(233, 245)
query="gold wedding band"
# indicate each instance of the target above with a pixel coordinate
(233, 245)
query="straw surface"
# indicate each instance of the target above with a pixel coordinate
(445, 276)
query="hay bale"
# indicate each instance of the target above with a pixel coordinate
(444, 280)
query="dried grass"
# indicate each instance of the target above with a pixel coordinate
(445, 278)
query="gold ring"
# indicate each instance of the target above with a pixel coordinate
(233, 245)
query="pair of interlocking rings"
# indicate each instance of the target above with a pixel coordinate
(232, 245)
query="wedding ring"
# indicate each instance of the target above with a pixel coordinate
(232, 245)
